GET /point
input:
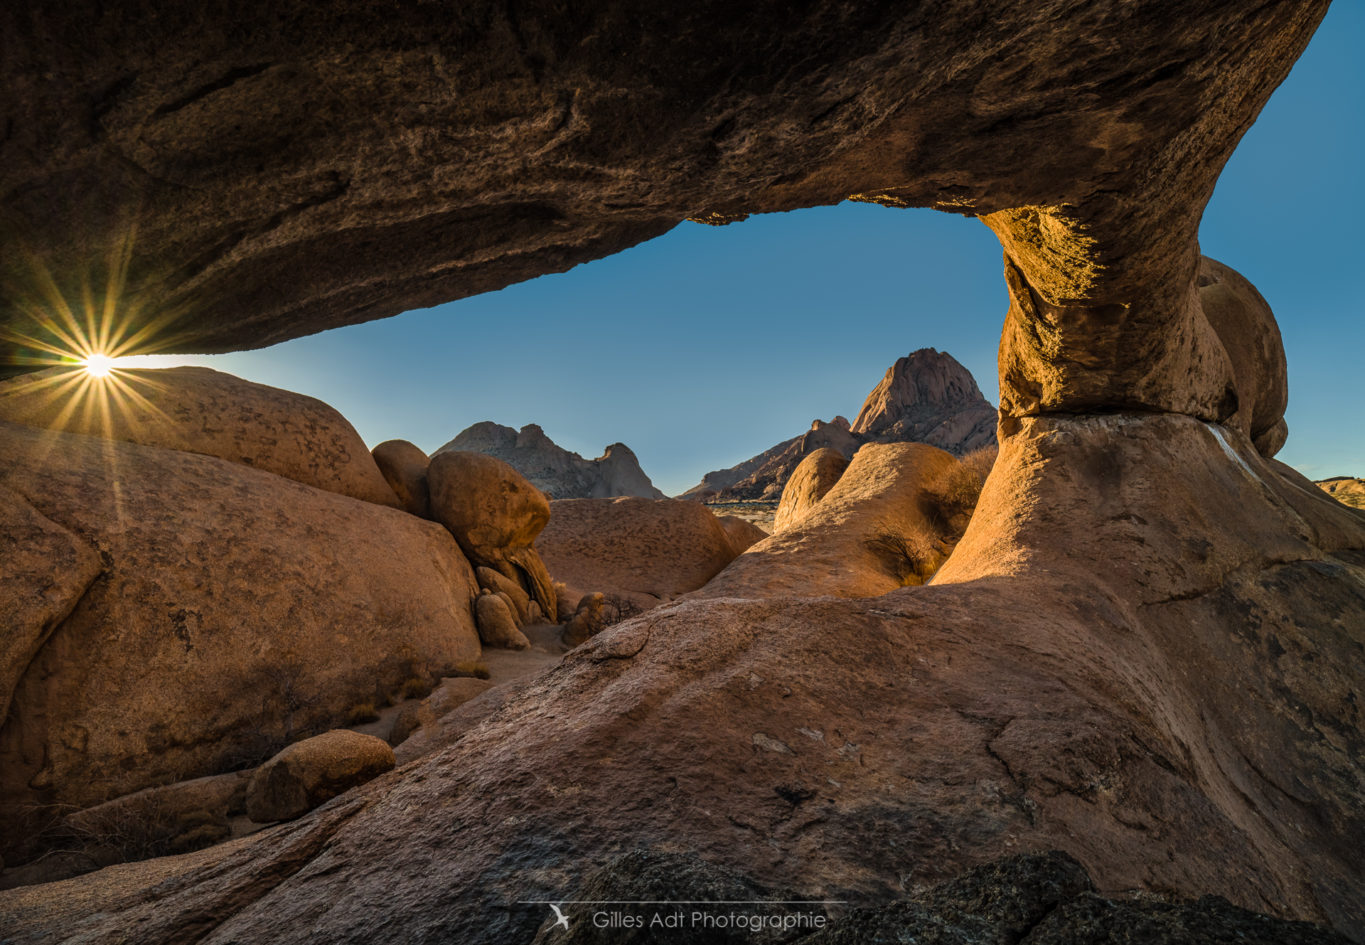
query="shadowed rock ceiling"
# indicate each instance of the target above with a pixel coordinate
(270, 170)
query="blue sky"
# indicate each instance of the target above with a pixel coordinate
(708, 345)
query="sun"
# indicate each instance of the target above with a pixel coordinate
(98, 365)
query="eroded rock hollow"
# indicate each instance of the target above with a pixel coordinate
(1146, 649)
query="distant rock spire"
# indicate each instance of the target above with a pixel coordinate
(928, 397)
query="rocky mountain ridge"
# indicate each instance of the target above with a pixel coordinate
(925, 397)
(557, 472)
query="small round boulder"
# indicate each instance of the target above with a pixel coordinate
(497, 626)
(497, 583)
(311, 772)
(812, 478)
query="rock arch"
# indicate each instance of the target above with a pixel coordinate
(1144, 650)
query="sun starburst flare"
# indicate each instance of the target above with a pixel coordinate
(98, 365)
(87, 318)
(75, 333)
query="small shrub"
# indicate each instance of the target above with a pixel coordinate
(362, 713)
(616, 608)
(907, 558)
(950, 499)
(595, 613)
(141, 828)
(982, 461)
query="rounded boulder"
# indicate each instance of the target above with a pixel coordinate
(812, 478)
(404, 467)
(199, 410)
(645, 551)
(497, 626)
(489, 507)
(311, 772)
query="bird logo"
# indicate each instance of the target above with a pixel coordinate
(560, 917)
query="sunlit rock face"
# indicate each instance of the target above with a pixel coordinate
(197, 616)
(928, 397)
(198, 410)
(813, 477)
(876, 529)
(1145, 650)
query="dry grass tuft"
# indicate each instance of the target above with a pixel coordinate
(910, 559)
(470, 668)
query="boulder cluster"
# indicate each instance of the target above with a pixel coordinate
(185, 553)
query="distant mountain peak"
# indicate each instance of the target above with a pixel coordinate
(557, 472)
(919, 387)
(925, 397)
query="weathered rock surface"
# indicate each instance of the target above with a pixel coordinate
(404, 467)
(1179, 721)
(44, 570)
(1032, 899)
(554, 470)
(495, 515)
(497, 622)
(1091, 920)
(927, 397)
(812, 478)
(1047, 899)
(645, 551)
(877, 529)
(1345, 489)
(218, 151)
(210, 636)
(198, 410)
(312, 772)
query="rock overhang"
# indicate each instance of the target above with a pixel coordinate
(253, 177)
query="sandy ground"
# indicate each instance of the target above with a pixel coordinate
(504, 666)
